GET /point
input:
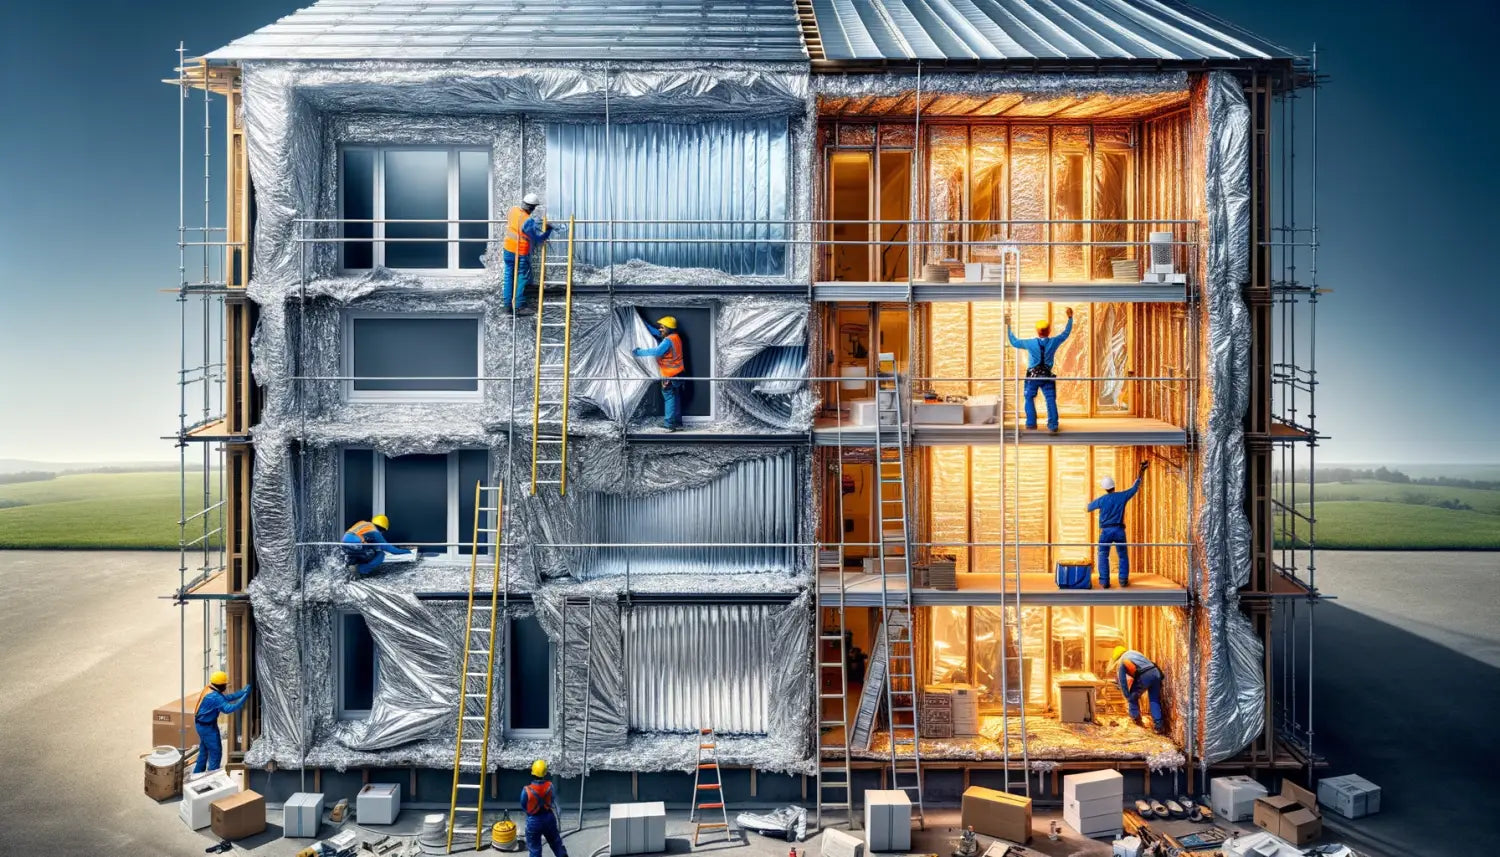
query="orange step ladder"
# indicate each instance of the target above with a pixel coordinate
(708, 741)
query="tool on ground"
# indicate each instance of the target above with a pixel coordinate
(476, 688)
(340, 809)
(968, 846)
(708, 767)
(503, 834)
(1054, 831)
(224, 845)
(789, 823)
(550, 375)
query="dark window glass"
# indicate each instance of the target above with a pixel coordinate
(473, 469)
(695, 326)
(416, 188)
(360, 663)
(473, 204)
(359, 485)
(416, 348)
(359, 204)
(530, 675)
(416, 500)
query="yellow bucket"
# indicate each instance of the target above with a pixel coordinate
(503, 834)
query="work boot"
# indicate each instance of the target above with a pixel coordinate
(1137, 721)
(1124, 584)
(672, 428)
(1053, 429)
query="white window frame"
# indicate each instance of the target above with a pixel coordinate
(378, 239)
(340, 711)
(377, 496)
(347, 344)
(713, 361)
(529, 734)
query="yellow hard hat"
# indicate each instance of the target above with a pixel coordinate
(381, 521)
(539, 768)
(1115, 655)
(219, 677)
(1043, 324)
(668, 321)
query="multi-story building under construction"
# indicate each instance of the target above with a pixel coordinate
(840, 205)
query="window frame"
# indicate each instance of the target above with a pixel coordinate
(351, 395)
(377, 237)
(340, 712)
(713, 359)
(552, 712)
(377, 496)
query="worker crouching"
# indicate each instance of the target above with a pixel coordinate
(539, 802)
(365, 546)
(1136, 674)
(212, 702)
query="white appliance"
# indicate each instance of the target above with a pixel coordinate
(1161, 253)
(378, 803)
(198, 796)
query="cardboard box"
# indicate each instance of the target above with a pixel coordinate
(937, 711)
(166, 722)
(1233, 798)
(302, 815)
(378, 803)
(165, 768)
(1292, 814)
(198, 795)
(1094, 817)
(239, 815)
(996, 813)
(1075, 700)
(837, 843)
(887, 820)
(1351, 796)
(637, 828)
(1095, 786)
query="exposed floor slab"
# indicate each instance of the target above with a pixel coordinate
(1037, 589)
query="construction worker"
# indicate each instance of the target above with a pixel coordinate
(1040, 354)
(1111, 508)
(539, 803)
(212, 702)
(521, 229)
(365, 546)
(670, 362)
(1136, 674)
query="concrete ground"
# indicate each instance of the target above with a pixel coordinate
(1408, 677)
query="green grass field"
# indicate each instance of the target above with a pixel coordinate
(1369, 515)
(94, 511)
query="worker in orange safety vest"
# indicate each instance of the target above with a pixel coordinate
(539, 802)
(521, 231)
(670, 362)
(1137, 674)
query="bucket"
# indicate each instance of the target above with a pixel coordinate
(164, 756)
(1075, 574)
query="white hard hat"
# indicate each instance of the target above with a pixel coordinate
(1107, 483)
(531, 199)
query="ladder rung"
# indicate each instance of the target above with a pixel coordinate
(711, 823)
(828, 665)
(473, 716)
(830, 696)
(473, 740)
(831, 805)
(458, 830)
(831, 723)
(489, 509)
(470, 786)
(708, 787)
(705, 746)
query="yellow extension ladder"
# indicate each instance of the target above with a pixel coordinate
(713, 788)
(554, 340)
(475, 705)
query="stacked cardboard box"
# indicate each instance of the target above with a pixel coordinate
(943, 574)
(995, 813)
(167, 723)
(1233, 798)
(1351, 795)
(1092, 803)
(937, 711)
(164, 770)
(887, 820)
(239, 815)
(1292, 814)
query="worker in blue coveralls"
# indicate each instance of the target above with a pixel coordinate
(365, 546)
(212, 702)
(1040, 354)
(670, 363)
(538, 801)
(521, 229)
(1136, 674)
(1111, 508)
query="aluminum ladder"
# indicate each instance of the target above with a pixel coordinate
(708, 740)
(1012, 666)
(894, 547)
(475, 706)
(550, 376)
(835, 780)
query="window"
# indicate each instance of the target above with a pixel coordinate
(429, 498)
(380, 187)
(696, 327)
(528, 698)
(428, 357)
(358, 666)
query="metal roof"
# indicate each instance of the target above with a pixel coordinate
(528, 29)
(1032, 30)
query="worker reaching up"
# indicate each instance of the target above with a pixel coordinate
(365, 546)
(212, 702)
(1041, 352)
(521, 229)
(1111, 508)
(1136, 674)
(539, 802)
(671, 363)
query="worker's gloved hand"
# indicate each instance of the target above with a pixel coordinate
(1144, 465)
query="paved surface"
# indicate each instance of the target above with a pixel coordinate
(1407, 684)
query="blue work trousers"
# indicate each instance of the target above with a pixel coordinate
(520, 271)
(364, 558)
(1048, 389)
(1149, 683)
(671, 397)
(210, 749)
(543, 826)
(1113, 536)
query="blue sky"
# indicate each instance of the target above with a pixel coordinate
(88, 199)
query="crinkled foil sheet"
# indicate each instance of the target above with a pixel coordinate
(1115, 738)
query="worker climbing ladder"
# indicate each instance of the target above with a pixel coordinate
(476, 688)
(549, 400)
(1012, 662)
(708, 781)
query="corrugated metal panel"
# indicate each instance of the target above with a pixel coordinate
(755, 502)
(1028, 30)
(691, 666)
(530, 30)
(661, 171)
